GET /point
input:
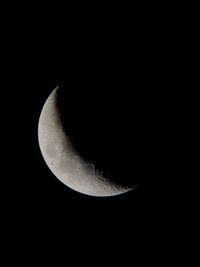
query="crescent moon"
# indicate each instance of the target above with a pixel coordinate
(64, 161)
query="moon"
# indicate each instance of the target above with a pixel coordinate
(64, 161)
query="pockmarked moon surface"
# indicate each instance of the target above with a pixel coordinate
(64, 161)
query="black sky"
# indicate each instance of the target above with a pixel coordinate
(96, 84)
(122, 70)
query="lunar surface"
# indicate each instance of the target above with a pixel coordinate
(64, 161)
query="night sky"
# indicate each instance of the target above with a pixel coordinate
(116, 92)
(135, 141)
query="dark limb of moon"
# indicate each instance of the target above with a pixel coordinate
(74, 154)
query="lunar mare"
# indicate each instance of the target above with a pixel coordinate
(64, 161)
